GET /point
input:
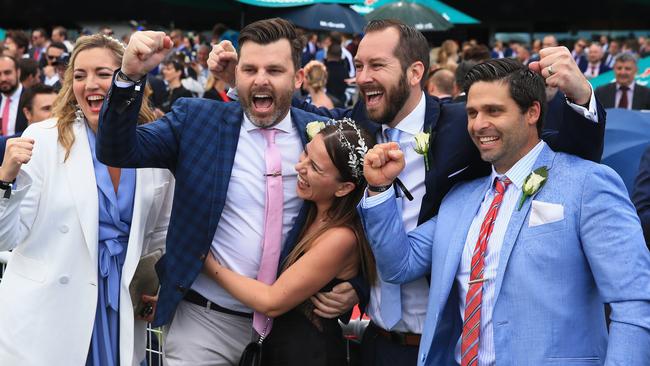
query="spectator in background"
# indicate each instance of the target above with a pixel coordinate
(441, 83)
(217, 31)
(57, 55)
(631, 46)
(604, 42)
(535, 48)
(314, 84)
(30, 74)
(593, 64)
(310, 49)
(462, 70)
(173, 73)
(354, 44)
(60, 34)
(16, 44)
(612, 51)
(479, 52)
(644, 51)
(36, 104)
(525, 56)
(39, 43)
(500, 51)
(549, 40)
(216, 89)
(200, 65)
(624, 92)
(13, 118)
(179, 46)
(578, 51)
(107, 31)
(641, 195)
(346, 56)
(337, 72)
(448, 54)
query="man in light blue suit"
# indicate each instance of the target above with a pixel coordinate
(521, 263)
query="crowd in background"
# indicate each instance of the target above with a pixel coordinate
(330, 71)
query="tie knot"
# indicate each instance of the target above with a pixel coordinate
(392, 134)
(269, 135)
(624, 88)
(501, 184)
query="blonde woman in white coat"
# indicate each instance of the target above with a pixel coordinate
(77, 229)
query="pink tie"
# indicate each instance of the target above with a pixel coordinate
(5, 117)
(272, 240)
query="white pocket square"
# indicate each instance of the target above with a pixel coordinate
(545, 213)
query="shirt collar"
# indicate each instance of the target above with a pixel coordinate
(284, 125)
(412, 123)
(631, 86)
(522, 168)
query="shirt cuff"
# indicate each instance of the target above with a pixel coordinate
(376, 200)
(232, 94)
(590, 113)
(123, 84)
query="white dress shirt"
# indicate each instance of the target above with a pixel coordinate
(517, 174)
(592, 70)
(237, 242)
(630, 95)
(414, 294)
(13, 109)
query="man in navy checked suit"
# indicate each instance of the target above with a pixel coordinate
(216, 153)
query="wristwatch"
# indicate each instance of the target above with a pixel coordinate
(6, 186)
(123, 77)
(379, 189)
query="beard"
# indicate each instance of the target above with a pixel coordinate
(7, 88)
(281, 103)
(396, 97)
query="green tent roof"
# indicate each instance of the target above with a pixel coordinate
(454, 16)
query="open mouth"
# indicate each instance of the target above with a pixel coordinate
(373, 97)
(302, 183)
(95, 102)
(488, 140)
(262, 102)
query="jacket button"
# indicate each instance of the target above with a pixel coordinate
(64, 280)
(63, 228)
(180, 288)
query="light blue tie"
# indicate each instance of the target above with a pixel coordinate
(391, 297)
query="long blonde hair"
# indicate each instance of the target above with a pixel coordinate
(65, 104)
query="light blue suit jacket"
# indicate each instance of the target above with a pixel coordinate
(552, 279)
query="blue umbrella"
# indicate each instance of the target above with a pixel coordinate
(326, 17)
(627, 134)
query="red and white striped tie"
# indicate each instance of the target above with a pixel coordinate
(472, 322)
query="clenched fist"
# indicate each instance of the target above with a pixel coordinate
(145, 51)
(383, 163)
(222, 61)
(560, 70)
(17, 153)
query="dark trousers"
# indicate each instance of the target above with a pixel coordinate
(379, 351)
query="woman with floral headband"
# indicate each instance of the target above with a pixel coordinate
(331, 248)
(78, 229)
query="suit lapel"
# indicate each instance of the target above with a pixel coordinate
(430, 125)
(226, 145)
(80, 175)
(459, 237)
(517, 220)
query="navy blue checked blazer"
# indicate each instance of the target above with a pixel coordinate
(197, 142)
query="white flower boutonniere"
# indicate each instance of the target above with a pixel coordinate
(313, 128)
(422, 147)
(533, 183)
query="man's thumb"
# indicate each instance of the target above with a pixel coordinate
(227, 46)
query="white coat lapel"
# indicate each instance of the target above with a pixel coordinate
(143, 200)
(517, 220)
(80, 174)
